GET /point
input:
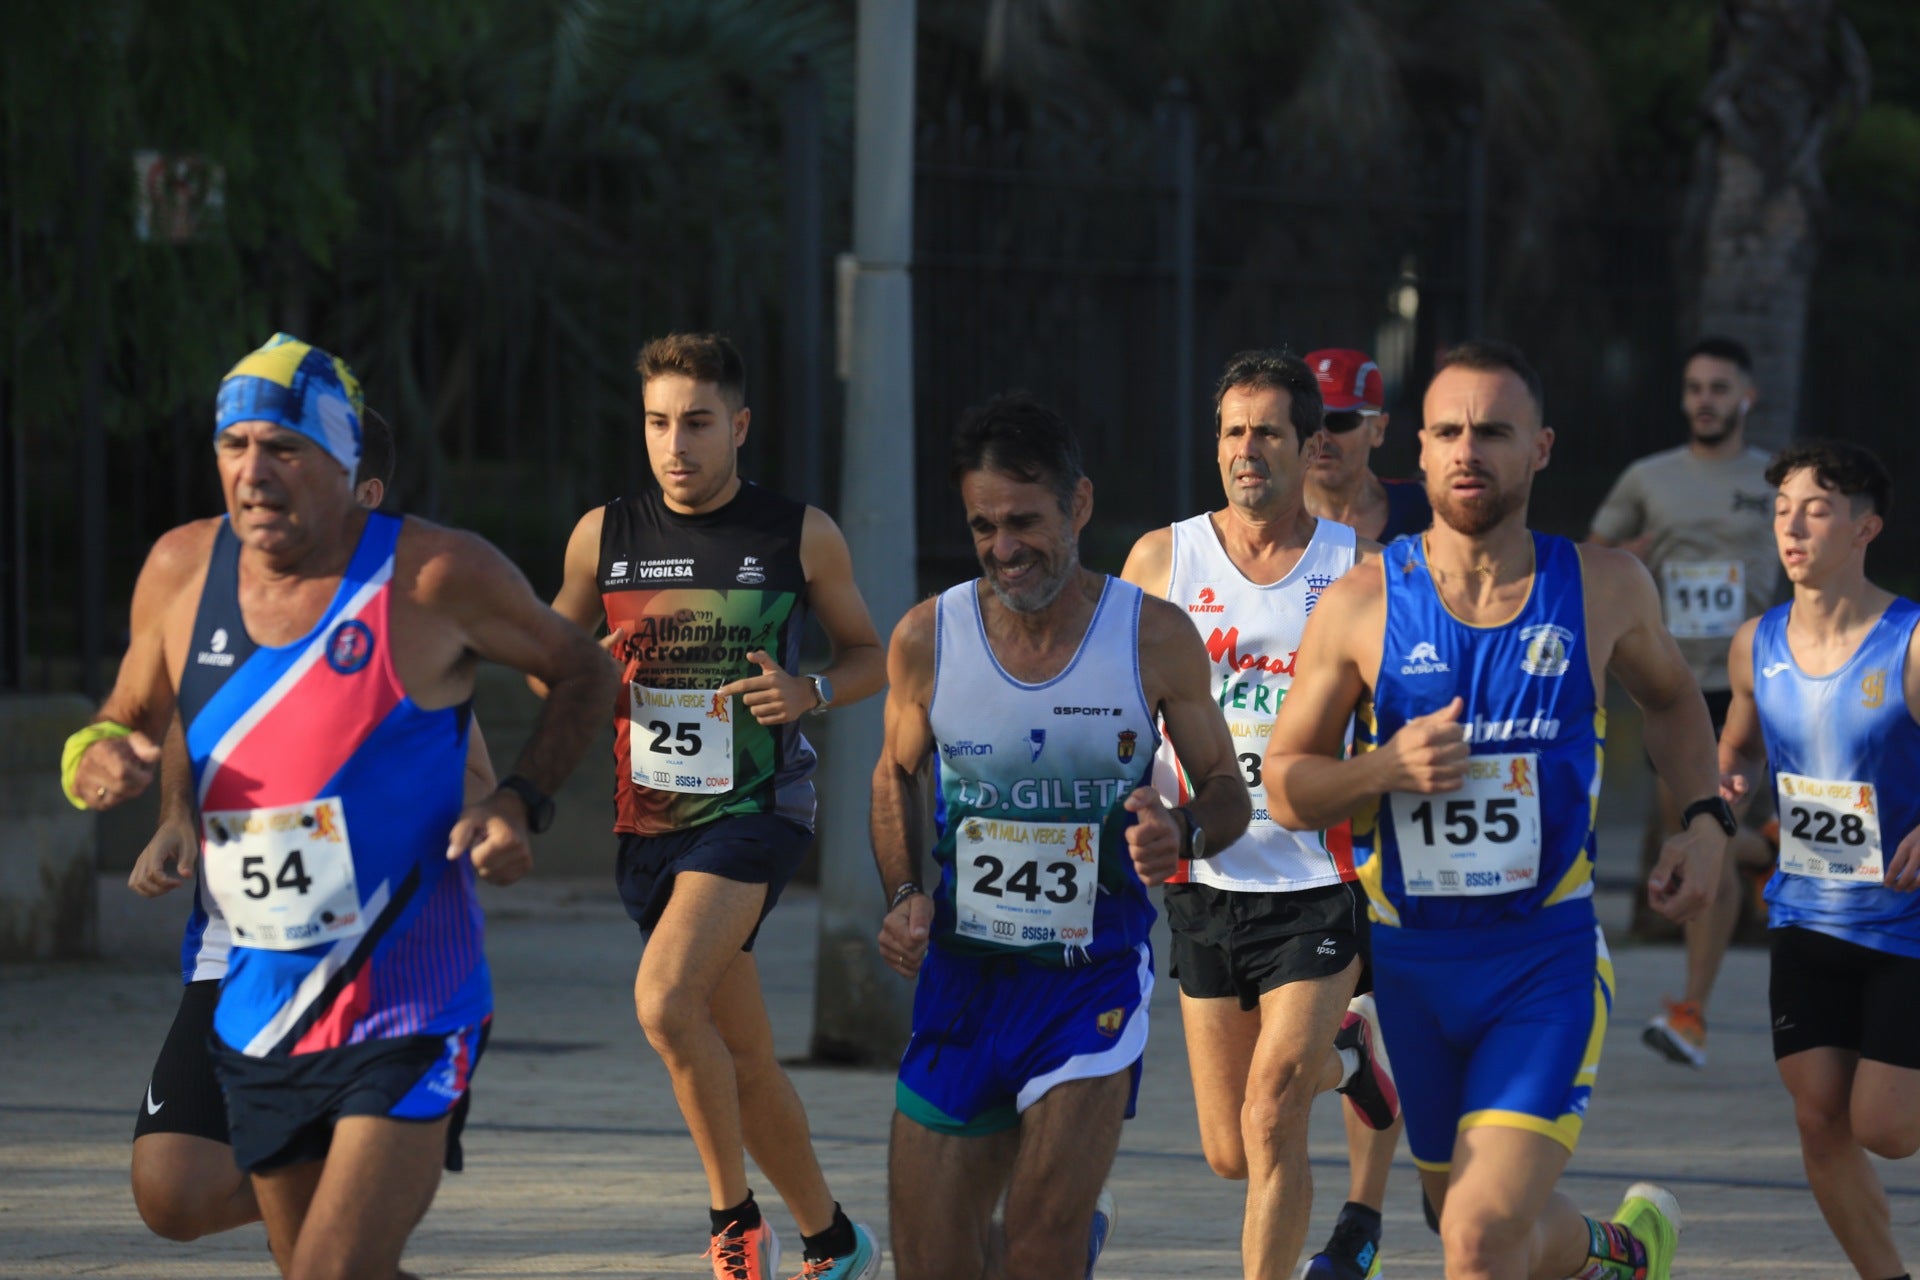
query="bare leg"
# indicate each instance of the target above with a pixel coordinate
(1844, 1183)
(187, 1187)
(348, 1217)
(1292, 1064)
(1710, 933)
(1220, 1041)
(1500, 1218)
(1067, 1143)
(942, 1190)
(698, 938)
(773, 1121)
(1369, 1157)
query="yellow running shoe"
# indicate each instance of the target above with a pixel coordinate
(1653, 1216)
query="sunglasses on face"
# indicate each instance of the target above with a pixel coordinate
(1343, 421)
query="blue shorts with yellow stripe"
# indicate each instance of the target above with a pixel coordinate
(993, 1035)
(1496, 1025)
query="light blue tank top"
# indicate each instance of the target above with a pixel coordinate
(1029, 782)
(1849, 726)
(1519, 837)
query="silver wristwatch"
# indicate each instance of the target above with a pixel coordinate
(823, 690)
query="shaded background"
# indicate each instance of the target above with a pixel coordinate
(487, 207)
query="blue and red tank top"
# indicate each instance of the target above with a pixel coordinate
(316, 776)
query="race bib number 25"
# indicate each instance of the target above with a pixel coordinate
(681, 740)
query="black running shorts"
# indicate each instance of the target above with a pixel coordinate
(1826, 993)
(750, 848)
(1232, 943)
(182, 1094)
(282, 1110)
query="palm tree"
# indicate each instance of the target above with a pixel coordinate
(1789, 76)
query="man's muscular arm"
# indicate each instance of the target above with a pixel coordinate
(1150, 564)
(1181, 689)
(579, 598)
(894, 818)
(1678, 732)
(1311, 783)
(169, 858)
(115, 769)
(1743, 748)
(464, 584)
(859, 665)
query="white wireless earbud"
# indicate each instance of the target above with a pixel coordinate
(1746, 403)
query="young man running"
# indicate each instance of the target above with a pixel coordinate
(1826, 692)
(1474, 657)
(1698, 516)
(1267, 935)
(1036, 690)
(706, 585)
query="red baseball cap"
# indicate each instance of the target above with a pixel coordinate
(1349, 380)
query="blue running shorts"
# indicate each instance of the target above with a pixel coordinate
(992, 1034)
(1496, 1025)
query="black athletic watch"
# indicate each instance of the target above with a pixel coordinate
(539, 803)
(1193, 845)
(1714, 806)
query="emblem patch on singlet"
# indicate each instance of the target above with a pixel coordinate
(1547, 650)
(350, 647)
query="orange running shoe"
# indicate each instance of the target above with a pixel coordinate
(1679, 1034)
(745, 1255)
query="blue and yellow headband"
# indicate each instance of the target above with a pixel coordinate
(298, 386)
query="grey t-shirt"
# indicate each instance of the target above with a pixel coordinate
(1713, 556)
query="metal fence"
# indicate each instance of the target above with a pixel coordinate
(1110, 272)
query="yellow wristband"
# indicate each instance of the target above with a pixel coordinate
(98, 731)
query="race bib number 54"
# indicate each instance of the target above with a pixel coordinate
(1023, 884)
(283, 877)
(1482, 839)
(1829, 829)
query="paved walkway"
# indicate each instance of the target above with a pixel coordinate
(577, 1164)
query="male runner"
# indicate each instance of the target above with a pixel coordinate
(185, 1183)
(1699, 515)
(324, 659)
(1340, 483)
(1036, 690)
(1267, 936)
(706, 586)
(1474, 657)
(1826, 692)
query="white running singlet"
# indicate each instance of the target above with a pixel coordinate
(1252, 633)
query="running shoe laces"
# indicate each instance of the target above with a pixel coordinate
(744, 1255)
